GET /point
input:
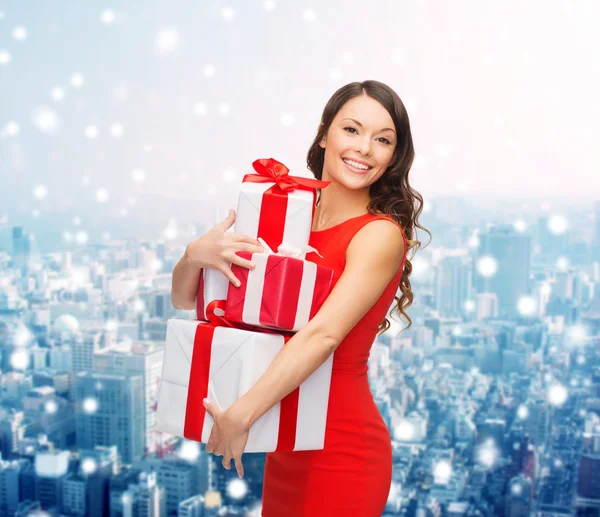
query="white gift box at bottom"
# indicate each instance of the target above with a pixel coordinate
(238, 358)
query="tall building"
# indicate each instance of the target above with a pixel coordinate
(24, 248)
(511, 252)
(180, 478)
(109, 410)
(588, 480)
(453, 285)
(146, 499)
(9, 485)
(519, 499)
(138, 358)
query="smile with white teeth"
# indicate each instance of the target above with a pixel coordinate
(357, 165)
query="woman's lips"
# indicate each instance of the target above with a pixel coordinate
(356, 171)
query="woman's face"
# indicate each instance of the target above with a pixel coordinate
(369, 138)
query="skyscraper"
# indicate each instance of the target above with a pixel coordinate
(511, 252)
(109, 410)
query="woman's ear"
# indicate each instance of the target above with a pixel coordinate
(323, 141)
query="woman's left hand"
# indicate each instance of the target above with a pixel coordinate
(229, 435)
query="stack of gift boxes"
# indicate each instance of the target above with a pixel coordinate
(239, 330)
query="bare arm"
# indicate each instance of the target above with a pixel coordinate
(372, 259)
(184, 284)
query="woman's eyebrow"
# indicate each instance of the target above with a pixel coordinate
(357, 122)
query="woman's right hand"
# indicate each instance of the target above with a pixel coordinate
(217, 249)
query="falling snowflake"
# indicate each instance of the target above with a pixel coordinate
(77, 80)
(90, 405)
(526, 305)
(138, 175)
(19, 33)
(108, 16)
(102, 195)
(209, 70)
(237, 488)
(91, 132)
(557, 394)
(522, 412)
(442, 471)
(287, 119)
(40, 192)
(89, 466)
(81, 237)
(5, 57)
(116, 130)
(487, 266)
(228, 13)
(404, 431)
(189, 450)
(51, 407)
(557, 224)
(309, 15)
(224, 108)
(57, 94)
(45, 119)
(229, 175)
(166, 41)
(200, 109)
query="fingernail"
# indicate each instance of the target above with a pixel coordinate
(252, 265)
(237, 283)
(205, 401)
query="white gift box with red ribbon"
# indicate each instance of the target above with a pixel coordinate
(276, 219)
(222, 363)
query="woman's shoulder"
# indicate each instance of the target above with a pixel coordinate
(379, 216)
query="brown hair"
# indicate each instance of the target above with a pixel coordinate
(391, 194)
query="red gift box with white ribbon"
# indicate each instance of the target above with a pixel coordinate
(282, 292)
(218, 361)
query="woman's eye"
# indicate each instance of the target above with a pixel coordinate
(386, 140)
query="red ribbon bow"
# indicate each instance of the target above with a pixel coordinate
(271, 171)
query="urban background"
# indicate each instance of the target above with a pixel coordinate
(125, 130)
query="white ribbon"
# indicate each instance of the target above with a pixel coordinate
(287, 250)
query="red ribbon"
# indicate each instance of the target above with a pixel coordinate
(270, 170)
(195, 412)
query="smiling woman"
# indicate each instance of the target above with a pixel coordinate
(362, 227)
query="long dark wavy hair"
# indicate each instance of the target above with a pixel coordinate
(391, 194)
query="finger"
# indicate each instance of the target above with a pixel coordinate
(242, 237)
(240, 261)
(229, 220)
(227, 462)
(252, 248)
(209, 407)
(239, 467)
(229, 274)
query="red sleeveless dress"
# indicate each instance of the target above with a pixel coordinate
(352, 474)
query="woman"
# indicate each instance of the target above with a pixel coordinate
(362, 224)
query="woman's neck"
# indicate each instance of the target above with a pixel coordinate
(336, 204)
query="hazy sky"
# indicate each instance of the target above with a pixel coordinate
(176, 99)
